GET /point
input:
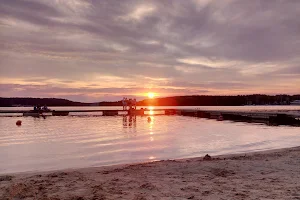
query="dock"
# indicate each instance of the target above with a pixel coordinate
(274, 117)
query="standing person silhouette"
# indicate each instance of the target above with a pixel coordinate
(134, 103)
(123, 103)
(130, 104)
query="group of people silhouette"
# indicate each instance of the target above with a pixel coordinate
(38, 108)
(129, 103)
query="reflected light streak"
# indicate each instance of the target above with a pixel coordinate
(151, 123)
(150, 127)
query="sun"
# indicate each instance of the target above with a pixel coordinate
(151, 95)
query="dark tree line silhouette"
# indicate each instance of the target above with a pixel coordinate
(255, 99)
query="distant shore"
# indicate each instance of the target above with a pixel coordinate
(188, 100)
(271, 174)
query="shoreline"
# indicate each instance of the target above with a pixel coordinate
(262, 174)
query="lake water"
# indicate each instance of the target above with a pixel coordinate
(85, 141)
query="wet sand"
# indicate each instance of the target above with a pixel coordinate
(263, 175)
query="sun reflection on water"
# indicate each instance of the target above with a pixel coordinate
(151, 123)
(151, 133)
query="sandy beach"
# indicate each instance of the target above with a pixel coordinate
(262, 175)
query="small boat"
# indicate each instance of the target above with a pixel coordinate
(60, 113)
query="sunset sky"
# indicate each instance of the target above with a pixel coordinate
(95, 50)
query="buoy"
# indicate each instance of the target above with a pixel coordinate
(149, 119)
(19, 123)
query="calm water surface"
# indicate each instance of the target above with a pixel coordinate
(86, 141)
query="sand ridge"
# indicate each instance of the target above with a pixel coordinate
(261, 175)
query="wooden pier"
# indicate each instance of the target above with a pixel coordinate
(283, 118)
(275, 118)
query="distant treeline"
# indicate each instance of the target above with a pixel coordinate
(8, 102)
(15, 101)
(256, 99)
